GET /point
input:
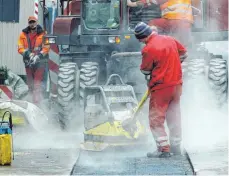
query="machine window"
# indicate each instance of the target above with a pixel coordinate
(101, 13)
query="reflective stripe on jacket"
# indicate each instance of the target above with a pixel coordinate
(177, 10)
(24, 42)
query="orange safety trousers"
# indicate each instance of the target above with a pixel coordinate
(165, 105)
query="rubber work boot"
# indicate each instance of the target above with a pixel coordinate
(176, 150)
(158, 154)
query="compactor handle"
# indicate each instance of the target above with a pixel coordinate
(10, 119)
(112, 76)
(10, 122)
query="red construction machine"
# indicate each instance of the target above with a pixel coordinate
(93, 39)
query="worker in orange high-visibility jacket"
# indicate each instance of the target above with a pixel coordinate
(177, 18)
(161, 62)
(35, 56)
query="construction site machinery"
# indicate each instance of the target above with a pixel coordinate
(105, 108)
(93, 39)
(110, 149)
(6, 138)
(87, 40)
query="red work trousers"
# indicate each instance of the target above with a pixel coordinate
(34, 81)
(179, 29)
(165, 105)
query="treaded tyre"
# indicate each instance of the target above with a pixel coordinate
(67, 89)
(88, 76)
(218, 79)
(196, 67)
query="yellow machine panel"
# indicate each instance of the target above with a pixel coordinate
(5, 149)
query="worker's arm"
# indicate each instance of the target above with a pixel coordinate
(181, 50)
(147, 62)
(21, 47)
(140, 3)
(45, 48)
(25, 52)
(131, 4)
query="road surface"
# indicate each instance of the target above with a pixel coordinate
(43, 153)
(129, 161)
(205, 138)
(41, 162)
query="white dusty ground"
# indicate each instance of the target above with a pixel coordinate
(43, 153)
(205, 128)
(47, 151)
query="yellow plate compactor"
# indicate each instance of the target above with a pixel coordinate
(105, 109)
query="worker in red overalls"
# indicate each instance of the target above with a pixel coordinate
(161, 61)
(35, 56)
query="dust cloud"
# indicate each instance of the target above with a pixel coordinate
(205, 124)
(44, 130)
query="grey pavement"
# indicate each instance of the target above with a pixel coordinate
(47, 153)
(211, 162)
(205, 129)
(41, 162)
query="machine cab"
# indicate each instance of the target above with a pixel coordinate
(79, 20)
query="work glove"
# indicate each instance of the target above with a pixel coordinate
(31, 56)
(183, 57)
(34, 60)
(27, 53)
(147, 75)
(27, 57)
(148, 78)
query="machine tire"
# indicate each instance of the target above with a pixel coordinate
(218, 79)
(89, 73)
(67, 90)
(195, 68)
